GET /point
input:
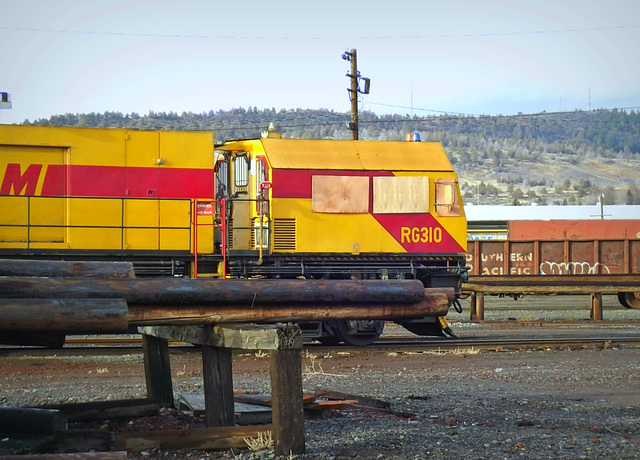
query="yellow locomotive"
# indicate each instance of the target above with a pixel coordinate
(174, 203)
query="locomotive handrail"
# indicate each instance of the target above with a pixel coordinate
(27, 222)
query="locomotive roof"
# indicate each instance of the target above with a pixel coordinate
(348, 155)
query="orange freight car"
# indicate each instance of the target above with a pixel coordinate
(561, 247)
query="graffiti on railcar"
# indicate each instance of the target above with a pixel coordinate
(572, 268)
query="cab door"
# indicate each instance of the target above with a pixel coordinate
(240, 203)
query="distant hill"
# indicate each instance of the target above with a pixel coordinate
(561, 158)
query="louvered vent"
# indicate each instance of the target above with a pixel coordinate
(230, 234)
(284, 234)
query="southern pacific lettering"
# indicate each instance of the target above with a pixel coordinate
(421, 234)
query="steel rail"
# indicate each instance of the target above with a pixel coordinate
(395, 344)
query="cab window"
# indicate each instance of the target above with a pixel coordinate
(447, 198)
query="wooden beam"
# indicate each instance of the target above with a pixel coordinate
(202, 439)
(624, 280)
(31, 420)
(596, 306)
(179, 292)
(77, 456)
(86, 440)
(106, 410)
(218, 386)
(64, 315)
(286, 401)
(544, 289)
(433, 304)
(157, 370)
(59, 268)
(480, 306)
(242, 336)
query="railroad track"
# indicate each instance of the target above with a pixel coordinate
(133, 345)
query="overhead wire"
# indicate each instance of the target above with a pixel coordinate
(320, 36)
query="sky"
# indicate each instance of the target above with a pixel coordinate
(423, 57)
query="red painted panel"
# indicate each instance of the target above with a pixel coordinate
(296, 183)
(108, 181)
(54, 181)
(111, 181)
(185, 183)
(418, 233)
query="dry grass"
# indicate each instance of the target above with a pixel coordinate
(264, 440)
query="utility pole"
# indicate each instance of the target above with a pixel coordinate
(355, 77)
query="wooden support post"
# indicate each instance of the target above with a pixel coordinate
(286, 400)
(218, 386)
(284, 342)
(157, 369)
(31, 420)
(473, 315)
(596, 306)
(480, 306)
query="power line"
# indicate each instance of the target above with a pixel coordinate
(318, 37)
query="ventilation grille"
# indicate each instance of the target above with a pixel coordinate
(284, 234)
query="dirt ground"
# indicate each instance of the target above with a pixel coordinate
(536, 403)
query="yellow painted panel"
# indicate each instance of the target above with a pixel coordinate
(175, 221)
(186, 149)
(94, 223)
(356, 155)
(175, 213)
(174, 240)
(47, 219)
(141, 219)
(89, 146)
(117, 147)
(95, 212)
(142, 239)
(352, 233)
(205, 235)
(13, 220)
(95, 238)
(142, 148)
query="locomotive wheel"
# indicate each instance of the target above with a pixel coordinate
(56, 341)
(629, 299)
(329, 340)
(347, 332)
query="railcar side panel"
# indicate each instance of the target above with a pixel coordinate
(560, 248)
(88, 189)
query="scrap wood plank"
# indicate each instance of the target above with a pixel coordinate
(397, 413)
(265, 399)
(220, 437)
(363, 400)
(327, 405)
(245, 414)
(75, 440)
(106, 410)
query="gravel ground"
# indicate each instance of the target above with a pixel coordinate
(534, 404)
